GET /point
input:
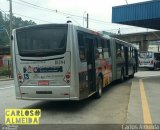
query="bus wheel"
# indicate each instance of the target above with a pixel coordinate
(122, 76)
(99, 88)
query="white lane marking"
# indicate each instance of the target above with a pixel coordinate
(7, 87)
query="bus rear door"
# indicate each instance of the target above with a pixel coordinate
(91, 65)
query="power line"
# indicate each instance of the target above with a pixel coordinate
(3, 11)
(37, 6)
(28, 5)
(5, 14)
(31, 17)
(69, 17)
(25, 16)
(111, 30)
(47, 9)
(56, 11)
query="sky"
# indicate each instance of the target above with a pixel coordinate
(60, 11)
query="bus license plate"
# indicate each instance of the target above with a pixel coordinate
(43, 83)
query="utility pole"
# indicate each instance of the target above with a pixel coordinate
(10, 5)
(83, 17)
(10, 37)
(87, 20)
(126, 2)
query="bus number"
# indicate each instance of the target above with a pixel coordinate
(59, 62)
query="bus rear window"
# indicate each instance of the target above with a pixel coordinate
(42, 41)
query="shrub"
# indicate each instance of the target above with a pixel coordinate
(5, 71)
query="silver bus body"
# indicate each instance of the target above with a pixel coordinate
(51, 66)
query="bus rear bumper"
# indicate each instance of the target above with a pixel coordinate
(47, 99)
(45, 93)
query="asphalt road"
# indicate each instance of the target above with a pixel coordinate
(111, 108)
(6, 84)
(120, 104)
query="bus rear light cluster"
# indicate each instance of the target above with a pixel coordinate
(67, 77)
(20, 78)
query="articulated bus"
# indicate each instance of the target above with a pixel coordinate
(68, 62)
(149, 59)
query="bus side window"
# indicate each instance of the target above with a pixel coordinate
(99, 50)
(131, 52)
(108, 46)
(118, 50)
(96, 49)
(82, 52)
(106, 49)
(122, 51)
(129, 55)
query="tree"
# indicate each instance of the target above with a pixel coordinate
(3, 35)
(16, 23)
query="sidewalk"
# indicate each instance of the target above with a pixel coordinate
(5, 78)
(135, 113)
(143, 107)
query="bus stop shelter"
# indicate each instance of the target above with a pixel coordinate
(144, 14)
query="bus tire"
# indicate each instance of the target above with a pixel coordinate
(122, 76)
(99, 88)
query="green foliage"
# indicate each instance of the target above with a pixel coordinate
(5, 71)
(16, 23)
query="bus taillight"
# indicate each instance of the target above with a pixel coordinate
(20, 78)
(68, 77)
